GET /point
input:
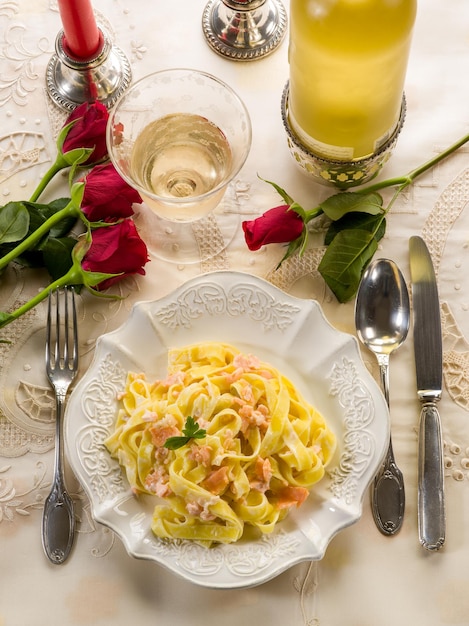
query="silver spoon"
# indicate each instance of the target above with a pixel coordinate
(382, 316)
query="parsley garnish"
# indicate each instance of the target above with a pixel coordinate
(190, 431)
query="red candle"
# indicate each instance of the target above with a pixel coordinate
(81, 34)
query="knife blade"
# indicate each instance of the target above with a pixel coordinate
(428, 352)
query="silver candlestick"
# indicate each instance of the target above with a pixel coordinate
(244, 30)
(103, 78)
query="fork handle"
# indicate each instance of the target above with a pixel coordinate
(58, 521)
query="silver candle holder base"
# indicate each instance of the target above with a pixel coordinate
(244, 30)
(71, 82)
(341, 174)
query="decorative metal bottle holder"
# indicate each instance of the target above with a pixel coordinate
(103, 78)
(341, 174)
(244, 30)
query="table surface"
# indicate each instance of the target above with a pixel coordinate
(365, 578)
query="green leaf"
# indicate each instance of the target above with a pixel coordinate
(57, 255)
(340, 204)
(30, 258)
(190, 431)
(345, 260)
(58, 204)
(14, 222)
(48, 209)
(375, 224)
(38, 215)
(173, 443)
(41, 212)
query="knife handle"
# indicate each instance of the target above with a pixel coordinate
(431, 499)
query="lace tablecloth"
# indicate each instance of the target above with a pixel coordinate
(365, 578)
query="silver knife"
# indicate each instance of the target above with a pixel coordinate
(428, 351)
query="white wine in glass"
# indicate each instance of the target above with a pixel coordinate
(181, 155)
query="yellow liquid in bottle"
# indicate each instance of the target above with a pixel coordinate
(348, 60)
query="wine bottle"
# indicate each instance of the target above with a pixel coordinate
(348, 62)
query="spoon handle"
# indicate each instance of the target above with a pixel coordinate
(388, 496)
(387, 492)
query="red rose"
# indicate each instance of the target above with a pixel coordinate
(278, 225)
(116, 249)
(107, 195)
(88, 131)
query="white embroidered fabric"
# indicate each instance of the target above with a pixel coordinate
(365, 578)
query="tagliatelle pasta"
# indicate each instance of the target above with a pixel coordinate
(261, 446)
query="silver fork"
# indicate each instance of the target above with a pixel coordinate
(58, 521)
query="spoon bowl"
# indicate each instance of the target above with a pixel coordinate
(382, 318)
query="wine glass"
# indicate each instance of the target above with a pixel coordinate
(179, 137)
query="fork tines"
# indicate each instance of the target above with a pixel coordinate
(62, 333)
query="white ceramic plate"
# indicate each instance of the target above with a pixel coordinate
(291, 334)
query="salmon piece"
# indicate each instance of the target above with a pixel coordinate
(149, 416)
(246, 393)
(217, 481)
(242, 363)
(201, 455)
(291, 496)
(234, 376)
(263, 469)
(159, 434)
(158, 483)
(175, 378)
(198, 510)
(249, 363)
(263, 474)
(246, 361)
(254, 417)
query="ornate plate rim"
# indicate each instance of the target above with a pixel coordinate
(273, 324)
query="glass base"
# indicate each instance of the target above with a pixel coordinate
(341, 174)
(186, 243)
